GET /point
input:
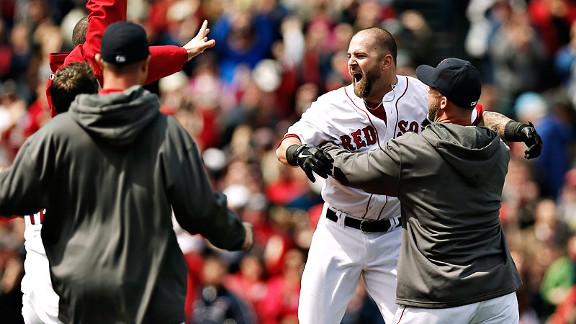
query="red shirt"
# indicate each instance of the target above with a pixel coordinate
(165, 60)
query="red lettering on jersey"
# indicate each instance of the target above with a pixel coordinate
(358, 140)
(370, 135)
(402, 125)
(347, 142)
(405, 126)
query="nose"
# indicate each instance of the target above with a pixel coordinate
(352, 61)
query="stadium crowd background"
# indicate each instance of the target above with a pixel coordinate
(271, 60)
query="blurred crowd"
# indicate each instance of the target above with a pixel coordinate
(271, 60)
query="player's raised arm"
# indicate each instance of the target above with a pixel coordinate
(101, 13)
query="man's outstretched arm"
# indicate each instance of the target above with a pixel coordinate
(513, 131)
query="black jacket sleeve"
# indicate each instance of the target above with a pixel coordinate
(197, 207)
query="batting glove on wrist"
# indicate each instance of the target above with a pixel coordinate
(310, 159)
(533, 141)
(518, 132)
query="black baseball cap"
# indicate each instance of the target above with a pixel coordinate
(124, 43)
(456, 79)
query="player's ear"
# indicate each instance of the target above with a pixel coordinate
(443, 102)
(387, 62)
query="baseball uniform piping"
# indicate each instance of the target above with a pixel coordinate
(377, 141)
(396, 106)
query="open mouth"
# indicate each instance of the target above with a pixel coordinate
(357, 77)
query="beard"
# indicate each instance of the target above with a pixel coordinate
(432, 112)
(363, 87)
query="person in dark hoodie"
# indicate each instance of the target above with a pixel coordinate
(454, 264)
(120, 168)
(39, 301)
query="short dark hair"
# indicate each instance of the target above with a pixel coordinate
(70, 81)
(385, 40)
(79, 32)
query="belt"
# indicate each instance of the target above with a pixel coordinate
(367, 226)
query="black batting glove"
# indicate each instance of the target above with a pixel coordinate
(310, 159)
(533, 141)
(518, 132)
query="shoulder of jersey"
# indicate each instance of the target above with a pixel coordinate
(413, 81)
(335, 97)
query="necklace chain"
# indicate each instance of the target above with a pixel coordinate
(367, 106)
(382, 102)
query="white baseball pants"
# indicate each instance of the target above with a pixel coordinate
(500, 310)
(337, 258)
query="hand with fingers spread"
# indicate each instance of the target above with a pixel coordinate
(200, 42)
(310, 159)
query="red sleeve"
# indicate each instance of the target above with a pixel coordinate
(101, 13)
(165, 60)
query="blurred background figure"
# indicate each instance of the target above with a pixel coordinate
(215, 303)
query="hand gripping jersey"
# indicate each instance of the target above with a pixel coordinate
(342, 117)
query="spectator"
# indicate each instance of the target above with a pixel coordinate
(560, 277)
(518, 58)
(216, 303)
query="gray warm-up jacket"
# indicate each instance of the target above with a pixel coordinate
(449, 182)
(109, 173)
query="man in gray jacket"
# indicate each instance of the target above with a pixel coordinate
(454, 264)
(109, 173)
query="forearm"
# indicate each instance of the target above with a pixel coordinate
(496, 122)
(374, 171)
(164, 61)
(101, 13)
(281, 150)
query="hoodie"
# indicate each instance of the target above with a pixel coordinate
(449, 181)
(110, 173)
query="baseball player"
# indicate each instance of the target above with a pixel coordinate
(359, 233)
(39, 301)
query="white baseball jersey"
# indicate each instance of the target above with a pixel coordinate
(40, 302)
(341, 117)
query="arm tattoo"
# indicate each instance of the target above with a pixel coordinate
(495, 121)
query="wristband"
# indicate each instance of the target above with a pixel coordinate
(512, 131)
(292, 154)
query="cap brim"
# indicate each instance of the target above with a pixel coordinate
(425, 73)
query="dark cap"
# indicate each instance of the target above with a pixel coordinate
(456, 79)
(124, 43)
